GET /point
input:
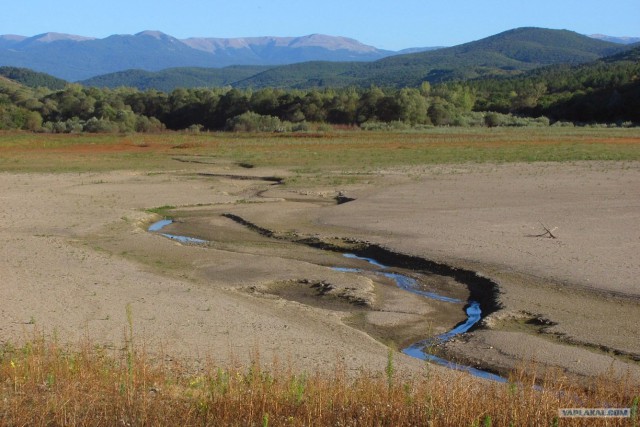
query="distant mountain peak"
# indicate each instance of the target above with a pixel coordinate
(155, 34)
(323, 41)
(331, 43)
(614, 39)
(54, 37)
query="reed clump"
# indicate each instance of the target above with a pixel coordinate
(44, 383)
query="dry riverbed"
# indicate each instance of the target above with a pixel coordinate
(76, 253)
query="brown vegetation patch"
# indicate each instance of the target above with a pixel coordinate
(43, 384)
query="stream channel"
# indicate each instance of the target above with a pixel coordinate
(472, 308)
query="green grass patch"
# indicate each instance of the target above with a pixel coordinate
(163, 211)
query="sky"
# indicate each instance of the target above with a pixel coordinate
(391, 24)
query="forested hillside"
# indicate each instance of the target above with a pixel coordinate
(605, 90)
(32, 78)
(508, 53)
(173, 78)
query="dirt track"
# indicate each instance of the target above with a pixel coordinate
(75, 252)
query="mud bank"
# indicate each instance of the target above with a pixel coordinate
(481, 289)
(421, 349)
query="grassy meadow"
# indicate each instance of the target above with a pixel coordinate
(348, 150)
(43, 382)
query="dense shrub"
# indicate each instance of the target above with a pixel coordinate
(253, 122)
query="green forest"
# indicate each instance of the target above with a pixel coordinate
(606, 91)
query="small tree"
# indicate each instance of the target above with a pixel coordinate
(492, 119)
(440, 113)
(33, 121)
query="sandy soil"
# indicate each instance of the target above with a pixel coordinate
(75, 253)
(584, 285)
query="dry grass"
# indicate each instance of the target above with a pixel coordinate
(42, 383)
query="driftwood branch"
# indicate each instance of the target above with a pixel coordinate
(547, 232)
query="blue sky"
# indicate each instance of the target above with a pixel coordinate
(385, 24)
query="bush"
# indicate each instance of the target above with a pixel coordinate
(195, 128)
(492, 119)
(563, 124)
(146, 124)
(542, 121)
(300, 127)
(73, 125)
(469, 119)
(95, 125)
(254, 122)
(324, 127)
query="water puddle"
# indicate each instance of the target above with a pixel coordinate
(419, 350)
(157, 226)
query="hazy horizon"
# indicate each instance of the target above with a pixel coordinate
(395, 26)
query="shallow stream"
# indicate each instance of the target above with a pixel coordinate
(419, 349)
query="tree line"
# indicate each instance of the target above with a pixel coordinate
(78, 108)
(605, 91)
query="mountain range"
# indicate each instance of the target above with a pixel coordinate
(74, 58)
(151, 59)
(508, 53)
